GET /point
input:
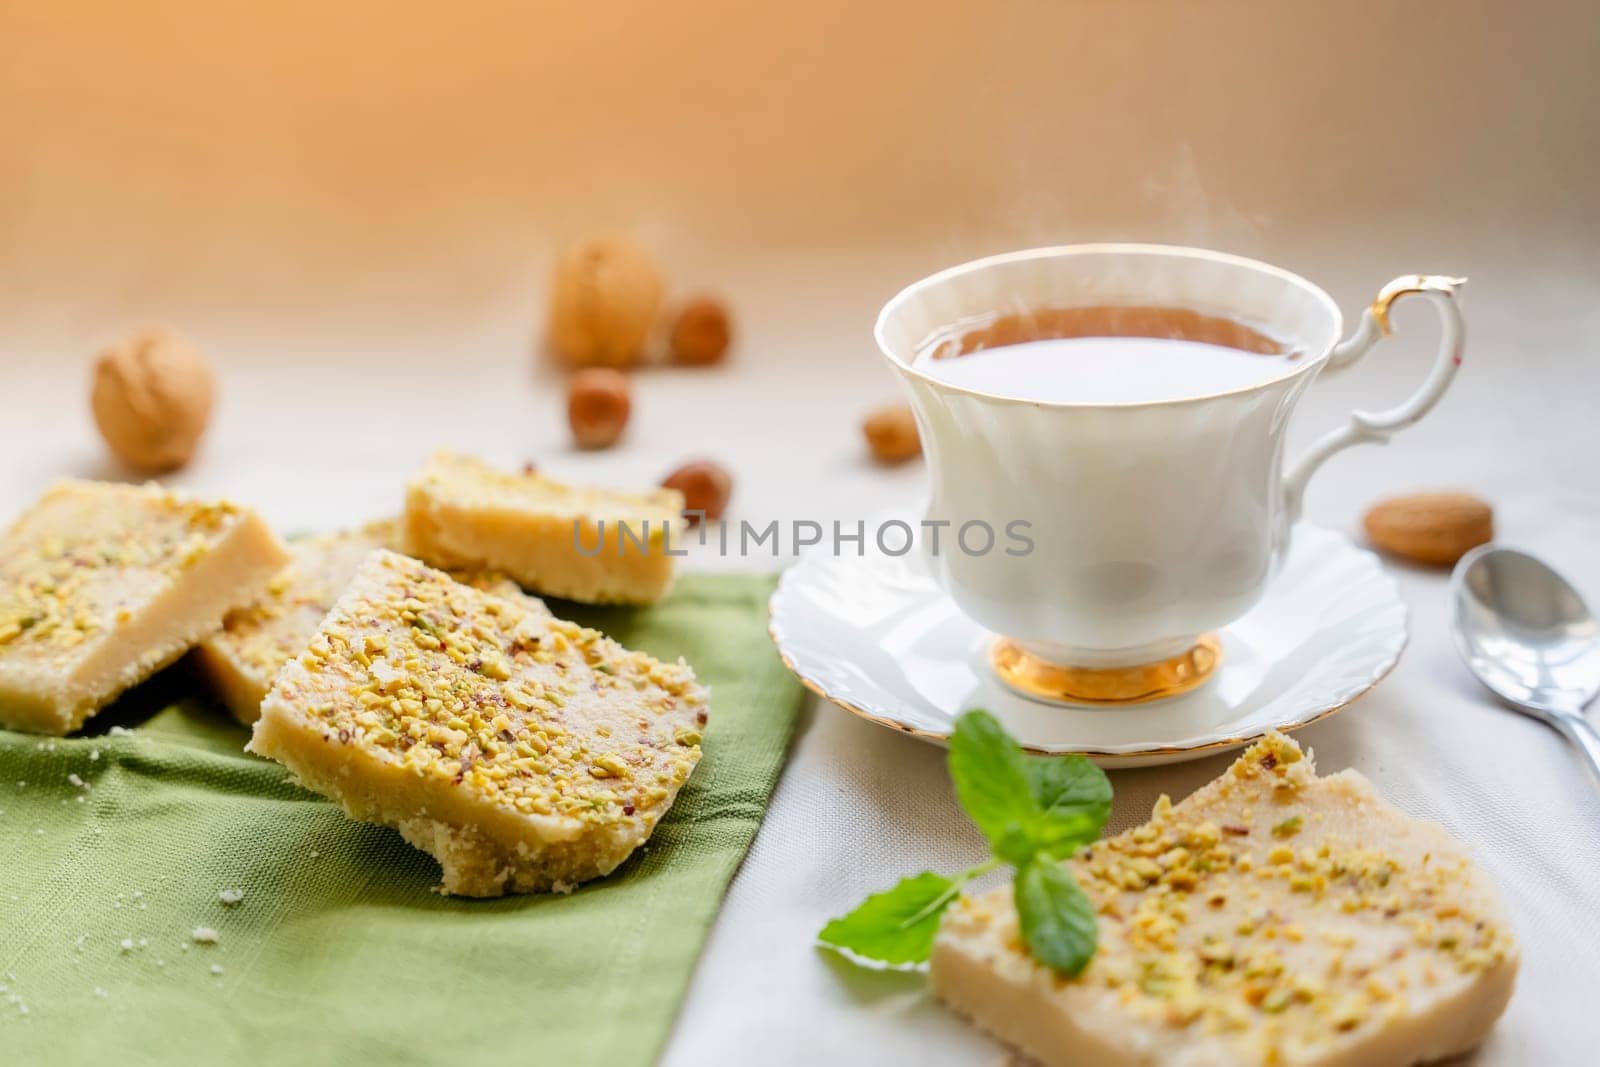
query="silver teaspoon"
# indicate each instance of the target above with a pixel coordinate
(1528, 636)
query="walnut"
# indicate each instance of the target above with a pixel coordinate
(152, 395)
(701, 333)
(603, 304)
(705, 486)
(598, 406)
(891, 433)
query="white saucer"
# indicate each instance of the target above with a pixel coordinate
(876, 636)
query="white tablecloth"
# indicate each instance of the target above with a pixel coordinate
(322, 417)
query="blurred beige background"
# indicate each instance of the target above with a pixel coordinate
(387, 160)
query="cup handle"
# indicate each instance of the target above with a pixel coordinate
(1378, 426)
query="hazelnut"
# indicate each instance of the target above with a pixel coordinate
(701, 333)
(597, 406)
(705, 486)
(892, 434)
(603, 304)
(151, 397)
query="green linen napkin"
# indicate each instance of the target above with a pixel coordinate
(339, 951)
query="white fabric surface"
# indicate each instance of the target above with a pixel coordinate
(860, 806)
(319, 422)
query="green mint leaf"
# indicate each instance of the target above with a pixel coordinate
(1057, 920)
(1061, 836)
(1074, 800)
(1020, 843)
(991, 780)
(895, 927)
(1068, 784)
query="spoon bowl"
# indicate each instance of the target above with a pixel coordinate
(1528, 636)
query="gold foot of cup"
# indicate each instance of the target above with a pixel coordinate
(1059, 683)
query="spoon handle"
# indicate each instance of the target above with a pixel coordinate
(1582, 733)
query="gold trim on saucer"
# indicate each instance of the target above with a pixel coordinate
(1059, 683)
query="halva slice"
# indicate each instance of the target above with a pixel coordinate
(523, 752)
(1273, 917)
(102, 585)
(241, 660)
(597, 546)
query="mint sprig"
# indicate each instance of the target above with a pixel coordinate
(895, 927)
(1035, 810)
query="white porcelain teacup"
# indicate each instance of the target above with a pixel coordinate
(1152, 523)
